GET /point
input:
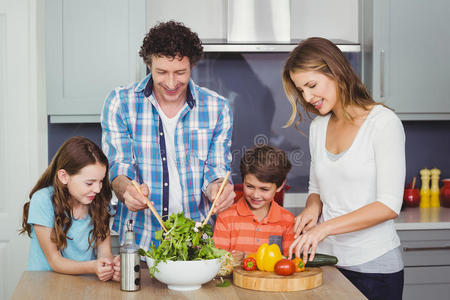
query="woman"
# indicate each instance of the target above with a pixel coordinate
(357, 170)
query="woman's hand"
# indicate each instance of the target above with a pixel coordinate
(104, 269)
(116, 268)
(306, 220)
(308, 241)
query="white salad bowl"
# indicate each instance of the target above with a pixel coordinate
(185, 275)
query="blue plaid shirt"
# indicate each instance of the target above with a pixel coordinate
(133, 141)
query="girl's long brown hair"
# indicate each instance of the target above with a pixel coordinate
(72, 156)
(321, 55)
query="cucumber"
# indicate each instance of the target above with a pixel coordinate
(321, 260)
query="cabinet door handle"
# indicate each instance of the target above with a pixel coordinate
(382, 73)
(406, 249)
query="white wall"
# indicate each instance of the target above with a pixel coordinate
(23, 127)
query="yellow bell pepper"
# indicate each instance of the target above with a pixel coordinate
(267, 256)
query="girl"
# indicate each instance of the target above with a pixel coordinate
(67, 217)
(357, 170)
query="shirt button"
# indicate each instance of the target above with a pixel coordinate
(257, 240)
(161, 133)
(166, 184)
(257, 229)
(164, 158)
(165, 208)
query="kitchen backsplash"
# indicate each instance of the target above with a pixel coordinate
(427, 145)
(252, 84)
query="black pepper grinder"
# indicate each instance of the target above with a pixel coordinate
(130, 270)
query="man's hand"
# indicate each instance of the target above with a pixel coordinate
(225, 200)
(133, 199)
(127, 193)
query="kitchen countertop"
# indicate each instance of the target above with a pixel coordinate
(52, 285)
(416, 218)
(413, 218)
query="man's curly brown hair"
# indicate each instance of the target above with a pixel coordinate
(171, 39)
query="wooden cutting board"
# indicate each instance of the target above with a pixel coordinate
(269, 281)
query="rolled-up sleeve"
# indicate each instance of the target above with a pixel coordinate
(389, 148)
(219, 154)
(116, 140)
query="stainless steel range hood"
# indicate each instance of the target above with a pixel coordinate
(259, 21)
(253, 25)
(218, 46)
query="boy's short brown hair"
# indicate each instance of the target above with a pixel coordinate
(266, 163)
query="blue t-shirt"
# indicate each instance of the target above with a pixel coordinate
(41, 212)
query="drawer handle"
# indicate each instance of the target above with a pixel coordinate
(406, 249)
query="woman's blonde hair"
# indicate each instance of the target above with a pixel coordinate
(75, 154)
(321, 55)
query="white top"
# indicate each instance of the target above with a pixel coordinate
(175, 193)
(372, 169)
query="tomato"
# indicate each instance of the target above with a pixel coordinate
(285, 267)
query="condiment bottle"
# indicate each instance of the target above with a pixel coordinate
(130, 270)
(435, 187)
(425, 189)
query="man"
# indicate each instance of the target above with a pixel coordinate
(168, 134)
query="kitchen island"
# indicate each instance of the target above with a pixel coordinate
(51, 285)
(425, 244)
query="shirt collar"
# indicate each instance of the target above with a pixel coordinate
(146, 86)
(273, 216)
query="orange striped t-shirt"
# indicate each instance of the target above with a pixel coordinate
(237, 228)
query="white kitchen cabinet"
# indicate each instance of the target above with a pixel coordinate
(406, 47)
(426, 254)
(91, 48)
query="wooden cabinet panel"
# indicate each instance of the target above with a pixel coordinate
(407, 42)
(425, 247)
(427, 283)
(426, 254)
(91, 48)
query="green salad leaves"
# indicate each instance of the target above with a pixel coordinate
(184, 240)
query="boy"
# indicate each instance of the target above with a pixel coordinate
(256, 218)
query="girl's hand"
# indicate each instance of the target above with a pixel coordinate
(307, 242)
(116, 268)
(304, 222)
(104, 269)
